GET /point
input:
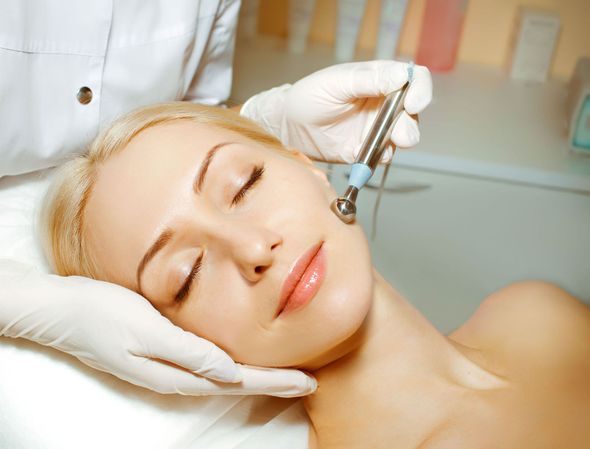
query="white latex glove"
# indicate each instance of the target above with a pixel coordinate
(327, 114)
(113, 329)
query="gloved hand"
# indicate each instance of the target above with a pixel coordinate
(328, 113)
(116, 330)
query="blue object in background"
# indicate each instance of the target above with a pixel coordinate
(581, 135)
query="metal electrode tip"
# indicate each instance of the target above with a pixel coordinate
(345, 207)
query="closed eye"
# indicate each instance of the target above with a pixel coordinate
(255, 176)
(188, 282)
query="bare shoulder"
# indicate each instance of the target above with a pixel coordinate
(537, 336)
(536, 316)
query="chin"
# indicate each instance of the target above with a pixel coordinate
(348, 292)
(335, 334)
(338, 312)
(348, 307)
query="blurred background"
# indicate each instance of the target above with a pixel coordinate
(498, 189)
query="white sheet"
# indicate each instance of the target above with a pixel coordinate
(51, 400)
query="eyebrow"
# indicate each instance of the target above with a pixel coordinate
(200, 178)
(166, 235)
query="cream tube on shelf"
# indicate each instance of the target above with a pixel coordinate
(300, 15)
(350, 15)
(390, 24)
(248, 19)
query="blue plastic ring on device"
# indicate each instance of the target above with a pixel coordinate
(410, 71)
(359, 175)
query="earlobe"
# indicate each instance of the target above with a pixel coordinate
(307, 161)
(322, 175)
(300, 156)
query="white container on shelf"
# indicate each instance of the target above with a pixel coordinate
(350, 15)
(300, 15)
(390, 25)
(533, 44)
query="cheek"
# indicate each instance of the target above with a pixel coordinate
(348, 298)
(346, 295)
(221, 313)
(300, 186)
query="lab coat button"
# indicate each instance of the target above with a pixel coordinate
(84, 95)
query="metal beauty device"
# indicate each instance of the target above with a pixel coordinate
(371, 152)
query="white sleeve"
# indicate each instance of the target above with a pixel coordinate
(211, 83)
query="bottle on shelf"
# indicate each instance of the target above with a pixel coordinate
(248, 19)
(390, 25)
(300, 15)
(350, 15)
(440, 34)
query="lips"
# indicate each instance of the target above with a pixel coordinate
(303, 281)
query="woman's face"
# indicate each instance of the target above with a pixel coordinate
(156, 219)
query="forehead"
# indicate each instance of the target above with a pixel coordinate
(178, 137)
(160, 156)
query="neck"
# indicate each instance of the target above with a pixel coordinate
(399, 347)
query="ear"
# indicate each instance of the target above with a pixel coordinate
(300, 156)
(303, 158)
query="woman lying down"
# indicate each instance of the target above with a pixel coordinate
(230, 235)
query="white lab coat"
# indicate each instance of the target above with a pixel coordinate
(127, 52)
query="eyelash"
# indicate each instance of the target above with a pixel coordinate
(255, 176)
(188, 282)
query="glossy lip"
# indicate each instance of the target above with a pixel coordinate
(295, 274)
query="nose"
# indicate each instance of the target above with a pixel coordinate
(252, 248)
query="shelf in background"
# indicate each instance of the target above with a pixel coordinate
(480, 122)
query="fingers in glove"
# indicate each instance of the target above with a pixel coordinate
(371, 79)
(387, 154)
(167, 379)
(200, 356)
(405, 132)
(285, 383)
(420, 91)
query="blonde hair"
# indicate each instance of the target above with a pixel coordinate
(62, 221)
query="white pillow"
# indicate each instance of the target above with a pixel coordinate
(51, 400)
